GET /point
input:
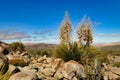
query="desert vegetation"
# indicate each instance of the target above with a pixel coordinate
(81, 50)
(17, 46)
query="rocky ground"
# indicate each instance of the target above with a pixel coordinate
(18, 66)
(111, 73)
(45, 68)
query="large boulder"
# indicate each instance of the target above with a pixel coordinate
(71, 70)
(4, 65)
(24, 75)
(16, 60)
(11, 70)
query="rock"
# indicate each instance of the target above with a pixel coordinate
(16, 60)
(36, 65)
(70, 70)
(58, 75)
(65, 79)
(4, 45)
(110, 76)
(41, 59)
(24, 53)
(27, 68)
(74, 78)
(4, 65)
(26, 57)
(46, 65)
(48, 71)
(57, 63)
(4, 48)
(115, 70)
(1, 49)
(18, 52)
(41, 76)
(49, 60)
(44, 77)
(11, 68)
(33, 62)
(26, 75)
(9, 72)
(110, 73)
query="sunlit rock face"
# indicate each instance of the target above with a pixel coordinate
(17, 60)
(110, 73)
(71, 70)
(3, 64)
(4, 48)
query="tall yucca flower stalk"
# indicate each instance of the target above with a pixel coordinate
(84, 33)
(81, 31)
(89, 33)
(65, 31)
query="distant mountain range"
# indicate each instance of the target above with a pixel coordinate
(115, 45)
(40, 46)
(107, 44)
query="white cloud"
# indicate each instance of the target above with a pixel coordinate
(43, 32)
(108, 35)
(9, 35)
(97, 23)
(100, 35)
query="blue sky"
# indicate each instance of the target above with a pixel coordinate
(38, 21)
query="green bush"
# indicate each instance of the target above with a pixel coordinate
(44, 52)
(84, 55)
(34, 53)
(94, 53)
(117, 64)
(17, 46)
(68, 54)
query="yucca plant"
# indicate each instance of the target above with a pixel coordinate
(65, 31)
(84, 33)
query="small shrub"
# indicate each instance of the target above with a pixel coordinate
(17, 46)
(117, 64)
(44, 52)
(38, 52)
